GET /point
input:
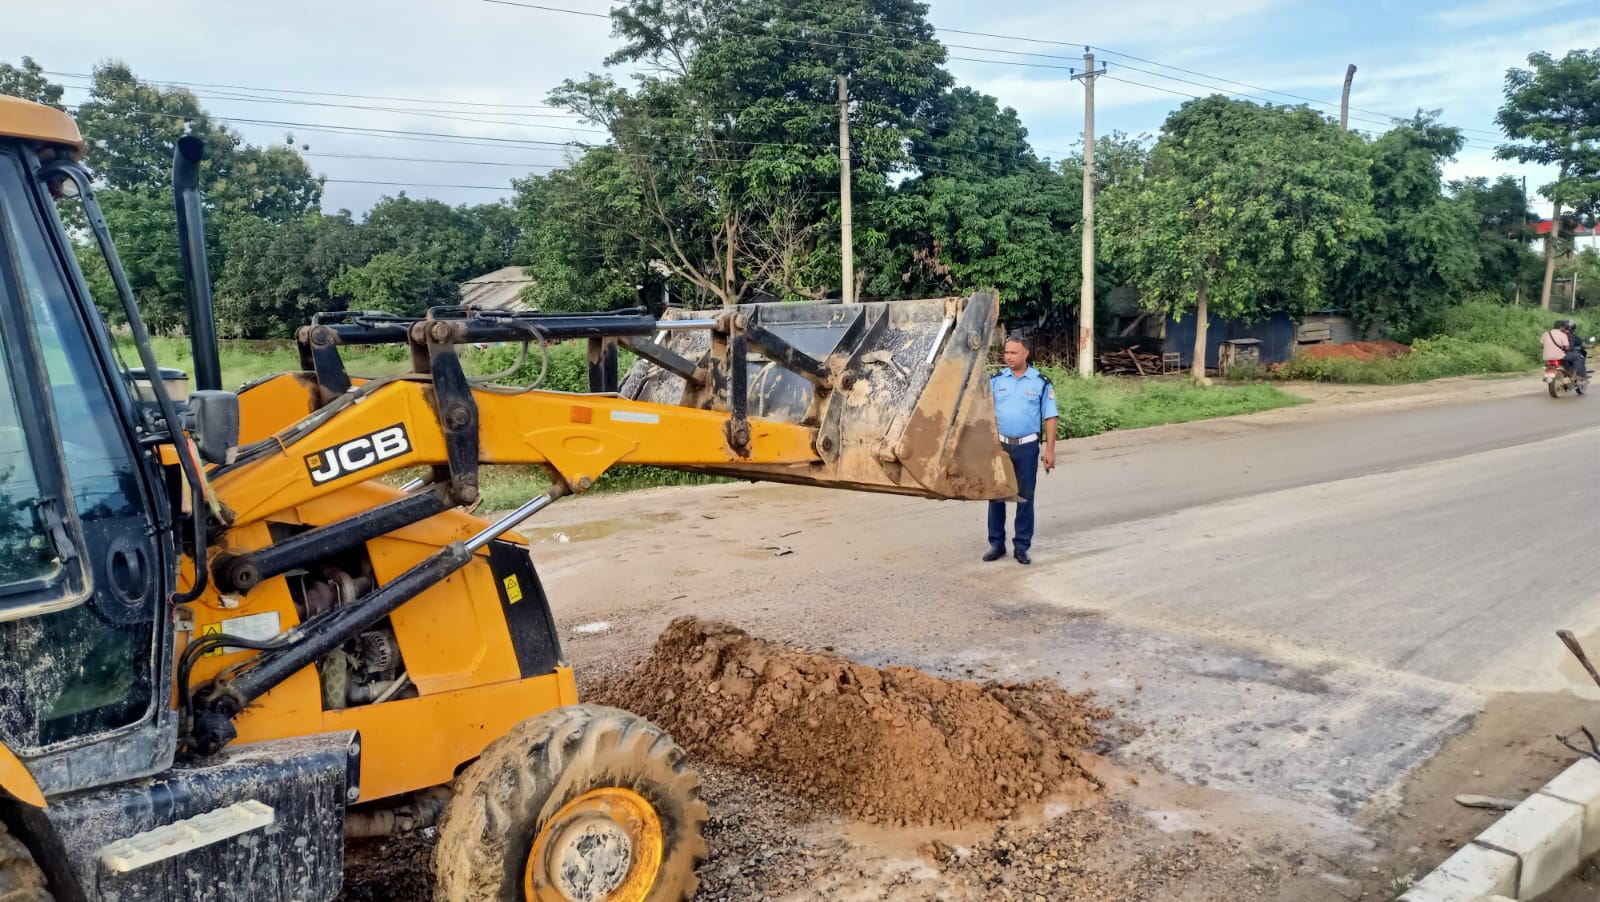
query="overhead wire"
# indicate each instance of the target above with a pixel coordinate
(1041, 41)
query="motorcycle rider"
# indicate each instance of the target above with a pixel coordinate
(1562, 343)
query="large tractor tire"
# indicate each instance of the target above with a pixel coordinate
(579, 804)
(20, 878)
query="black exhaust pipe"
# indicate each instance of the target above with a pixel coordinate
(186, 159)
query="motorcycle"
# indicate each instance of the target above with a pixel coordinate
(1560, 379)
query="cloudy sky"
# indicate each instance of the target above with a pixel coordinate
(465, 80)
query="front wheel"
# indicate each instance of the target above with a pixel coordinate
(579, 804)
(20, 878)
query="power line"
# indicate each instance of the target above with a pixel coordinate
(775, 37)
(175, 84)
(492, 141)
(1466, 142)
(363, 156)
(427, 114)
(1388, 118)
(1234, 93)
(414, 184)
(433, 112)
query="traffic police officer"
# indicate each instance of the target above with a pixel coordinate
(1023, 398)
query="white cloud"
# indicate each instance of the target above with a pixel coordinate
(458, 50)
(466, 50)
(1145, 24)
(1494, 11)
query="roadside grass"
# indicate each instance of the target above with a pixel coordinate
(1430, 358)
(1473, 338)
(1097, 404)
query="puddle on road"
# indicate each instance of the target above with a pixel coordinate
(597, 529)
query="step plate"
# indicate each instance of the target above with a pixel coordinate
(178, 837)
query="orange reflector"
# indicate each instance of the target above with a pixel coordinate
(582, 414)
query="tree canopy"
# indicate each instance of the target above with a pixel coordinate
(718, 183)
(1246, 209)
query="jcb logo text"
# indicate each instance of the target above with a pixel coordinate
(357, 454)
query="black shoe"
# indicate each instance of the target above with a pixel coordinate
(1022, 557)
(994, 553)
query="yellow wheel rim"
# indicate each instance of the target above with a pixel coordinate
(603, 846)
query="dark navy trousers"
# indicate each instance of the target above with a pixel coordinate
(1025, 459)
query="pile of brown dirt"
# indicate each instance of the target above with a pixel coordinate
(1360, 350)
(892, 745)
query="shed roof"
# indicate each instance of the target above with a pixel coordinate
(498, 290)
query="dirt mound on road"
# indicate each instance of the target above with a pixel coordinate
(1360, 350)
(892, 745)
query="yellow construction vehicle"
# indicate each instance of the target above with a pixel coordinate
(226, 642)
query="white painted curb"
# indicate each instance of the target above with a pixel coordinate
(1529, 850)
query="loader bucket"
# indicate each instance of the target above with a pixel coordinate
(896, 390)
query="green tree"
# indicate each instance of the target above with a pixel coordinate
(1503, 232)
(1246, 209)
(1552, 117)
(456, 243)
(577, 261)
(1585, 267)
(28, 81)
(394, 283)
(278, 274)
(131, 128)
(144, 226)
(729, 139)
(1422, 253)
(984, 212)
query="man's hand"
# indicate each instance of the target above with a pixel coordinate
(1049, 459)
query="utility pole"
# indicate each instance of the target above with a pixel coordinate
(845, 246)
(1086, 307)
(1344, 102)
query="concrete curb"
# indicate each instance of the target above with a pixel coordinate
(1529, 850)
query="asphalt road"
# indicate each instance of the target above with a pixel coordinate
(1444, 541)
(1296, 607)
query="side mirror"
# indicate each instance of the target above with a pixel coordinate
(216, 425)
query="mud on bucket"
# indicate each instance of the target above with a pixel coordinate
(896, 390)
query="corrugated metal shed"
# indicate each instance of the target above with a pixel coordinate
(1275, 332)
(1326, 326)
(498, 290)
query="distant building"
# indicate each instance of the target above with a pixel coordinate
(498, 290)
(1278, 335)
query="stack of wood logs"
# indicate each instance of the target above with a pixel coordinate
(1128, 362)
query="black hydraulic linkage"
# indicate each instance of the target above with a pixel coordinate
(353, 328)
(221, 701)
(243, 572)
(737, 428)
(667, 359)
(778, 350)
(603, 365)
(453, 404)
(215, 709)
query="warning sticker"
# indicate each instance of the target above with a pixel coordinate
(513, 589)
(212, 629)
(256, 627)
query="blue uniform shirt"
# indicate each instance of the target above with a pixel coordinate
(1021, 405)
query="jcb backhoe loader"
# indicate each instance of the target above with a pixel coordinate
(226, 641)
